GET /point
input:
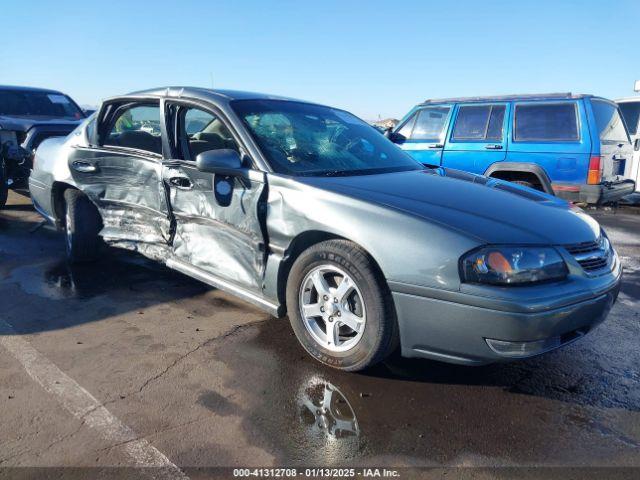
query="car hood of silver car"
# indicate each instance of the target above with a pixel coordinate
(490, 210)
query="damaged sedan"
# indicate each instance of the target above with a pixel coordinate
(27, 117)
(305, 210)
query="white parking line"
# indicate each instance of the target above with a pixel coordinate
(84, 406)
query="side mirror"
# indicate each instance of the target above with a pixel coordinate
(395, 137)
(223, 161)
(636, 144)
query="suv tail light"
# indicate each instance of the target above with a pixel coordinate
(595, 170)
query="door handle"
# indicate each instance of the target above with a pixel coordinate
(436, 145)
(84, 167)
(497, 146)
(181, 182)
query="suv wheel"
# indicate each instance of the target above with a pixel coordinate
(340, 307)
(82, 225)
(4, 188)
(524, 183)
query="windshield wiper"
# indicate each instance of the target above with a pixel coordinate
(341, 173)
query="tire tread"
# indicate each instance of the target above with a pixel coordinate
(86, 224)
(4, 188)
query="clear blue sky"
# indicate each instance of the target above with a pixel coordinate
(370, 57)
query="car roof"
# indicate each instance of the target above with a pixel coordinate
(219, 95)
(28, 89)
(506, 98)
(628, 99)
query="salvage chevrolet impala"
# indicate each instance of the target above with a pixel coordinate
(305, 210)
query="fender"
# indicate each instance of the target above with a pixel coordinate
(536, 170)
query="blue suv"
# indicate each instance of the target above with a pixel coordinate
(573, 146)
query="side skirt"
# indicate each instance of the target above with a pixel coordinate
(217, 282)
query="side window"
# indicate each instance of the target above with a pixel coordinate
(406, 129)
(546, 122)
(430, 124)
(137, 127)
(479, 123)
(201, 131)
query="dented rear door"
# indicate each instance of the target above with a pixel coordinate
(125, 183)
(128, 192)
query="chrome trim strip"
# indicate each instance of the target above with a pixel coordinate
(225, 285)
(593, 255)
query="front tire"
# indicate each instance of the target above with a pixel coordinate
(340, 307)
(82, 225)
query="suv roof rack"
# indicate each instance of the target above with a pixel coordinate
(534, 96)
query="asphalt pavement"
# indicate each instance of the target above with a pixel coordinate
(127, 363)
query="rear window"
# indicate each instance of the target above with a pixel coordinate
(33, 104)
(546, 122)
(631, 113)
(609, 122)
(479, 122)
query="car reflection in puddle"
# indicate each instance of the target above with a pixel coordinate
(326, 410)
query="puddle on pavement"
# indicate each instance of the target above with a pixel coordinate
(325, 410)
(58, 280)
(410, 411)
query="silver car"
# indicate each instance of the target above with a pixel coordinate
(305, 210)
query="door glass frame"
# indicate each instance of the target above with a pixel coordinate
(445, 125)
(108, 115)
(172, 124)
(502, 139)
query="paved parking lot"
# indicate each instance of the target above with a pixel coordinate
(128, 363)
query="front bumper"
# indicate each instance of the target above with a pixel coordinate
(594, 194)
(457, 332)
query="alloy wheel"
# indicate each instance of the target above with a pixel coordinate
(332, 308)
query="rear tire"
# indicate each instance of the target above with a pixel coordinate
(4, 188)
(82, 225)
(366, 303)
(524, 183)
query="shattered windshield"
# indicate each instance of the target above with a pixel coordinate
(35, 104)
(304, 139)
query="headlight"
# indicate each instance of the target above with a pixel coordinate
(513, 265)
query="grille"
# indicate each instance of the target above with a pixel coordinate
(579, 248)
(592, 256)
(593, 264)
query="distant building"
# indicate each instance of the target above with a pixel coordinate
(386, 123)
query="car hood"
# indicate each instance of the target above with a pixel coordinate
(24, 124)
(491, 210)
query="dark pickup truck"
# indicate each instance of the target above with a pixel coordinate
(27, 117)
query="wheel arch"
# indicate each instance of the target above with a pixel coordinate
(504, 168)
(57, 201)
(302, 242)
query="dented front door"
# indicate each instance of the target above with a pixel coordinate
(218, 222)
